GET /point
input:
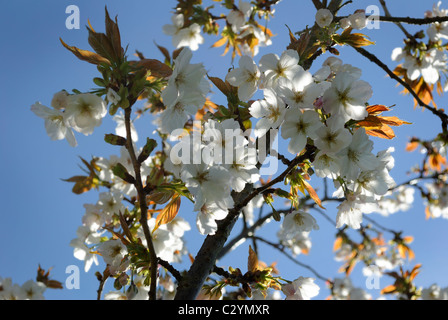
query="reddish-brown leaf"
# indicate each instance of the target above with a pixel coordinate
(157, 68)
(86, 55)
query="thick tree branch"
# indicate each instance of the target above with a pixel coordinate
(205, 260)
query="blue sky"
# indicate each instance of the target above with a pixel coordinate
(40, 215)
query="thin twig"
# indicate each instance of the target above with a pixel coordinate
(143, 204)
(281, 249)
(439, 113)
(176, 274)
(246, 233)
(398, 23)
(409, 20)
(379, 225)
(324, 215)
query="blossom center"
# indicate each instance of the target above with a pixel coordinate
(298, 219)
(298, 97)
(302, 126)
(275, 113)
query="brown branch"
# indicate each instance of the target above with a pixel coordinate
(281, 249)
(142, 203)
(192, 282)
(176, 274)
(439, 113)
(246, 233)
(409, 20)
(398, 23)
(317, 4)
(102, 278)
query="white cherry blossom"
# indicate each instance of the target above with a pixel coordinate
(270, 111)
(301, 289)
(347, 97)
(298, 126)
(278, 69)
(324, 17)
(56, 123)
(246, 78)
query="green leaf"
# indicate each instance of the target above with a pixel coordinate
(120, 171)
(150, 145)
(114, 139)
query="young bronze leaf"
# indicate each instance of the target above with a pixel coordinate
(161, 196)
(113, 33)
(224, 87)
(156, 67)
(125, 227)
(101, 44)
(352, 39)
(83, 185)
(385, 132)
(312, 193)
(165, 52)
(252, 262)
(370, 122)
(376, 109)
(393, 121)
(168, 213)
(86, 55)
(220, 42)
(389, 289)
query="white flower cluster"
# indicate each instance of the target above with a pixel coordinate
(299, 243)
(435, 292)
(294, 100)
(438, 204)
(437, 30)
(80, 112)
(184, 94)
(184, 36)
(118, 185)
(30, 290)
(301, 289)
(238, 16)
(397, 200)
(429, 64)
(213, 164)
(238, 19)
(343, 289)
(168, 239)
(294, 231)
(357, 20)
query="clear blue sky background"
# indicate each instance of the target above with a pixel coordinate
(40, 215)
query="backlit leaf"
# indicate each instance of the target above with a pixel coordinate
(86, 55)
(168, 213)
